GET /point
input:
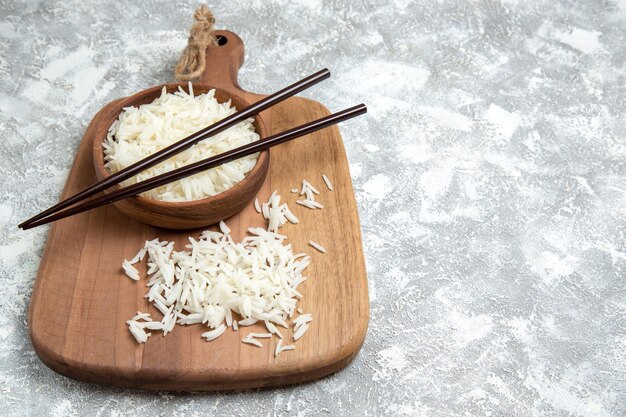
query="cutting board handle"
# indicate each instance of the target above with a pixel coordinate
(223, 61)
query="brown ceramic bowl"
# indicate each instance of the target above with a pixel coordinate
(191, 214)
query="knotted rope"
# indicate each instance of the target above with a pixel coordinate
(191, 63)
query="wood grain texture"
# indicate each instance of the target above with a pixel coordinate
(82, 299)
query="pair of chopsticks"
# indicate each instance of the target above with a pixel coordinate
(54, 213)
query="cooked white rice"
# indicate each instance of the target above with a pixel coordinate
(300, 331)
(137, 327)
(215, 333)
(309, 191)
(279, 345)
(317, 246)
(306, 203)
(224, 228)
(280, 348)
(251, 341)
(260, 335)
(329, 185)
(216, 277)
(248, 322)
(138, 332)
(142, 316)
(307, 185)
(130, 270)
(273, 329)
(276, 214)
(141, 131)
(302, 319)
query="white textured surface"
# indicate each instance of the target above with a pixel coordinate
(490, 175)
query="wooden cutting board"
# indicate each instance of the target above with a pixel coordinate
(82, 299)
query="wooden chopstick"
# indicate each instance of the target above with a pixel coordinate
(185, 143)
(207, 163)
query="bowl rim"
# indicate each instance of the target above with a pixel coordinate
(98, 150)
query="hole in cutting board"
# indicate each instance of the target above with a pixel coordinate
(222, 40)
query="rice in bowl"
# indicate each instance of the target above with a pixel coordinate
(141, 131)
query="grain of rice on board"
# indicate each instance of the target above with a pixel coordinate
(141, 131)
(214, 277)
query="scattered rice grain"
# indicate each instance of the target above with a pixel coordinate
(252, 342)
(317, 246)
(327, 181)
